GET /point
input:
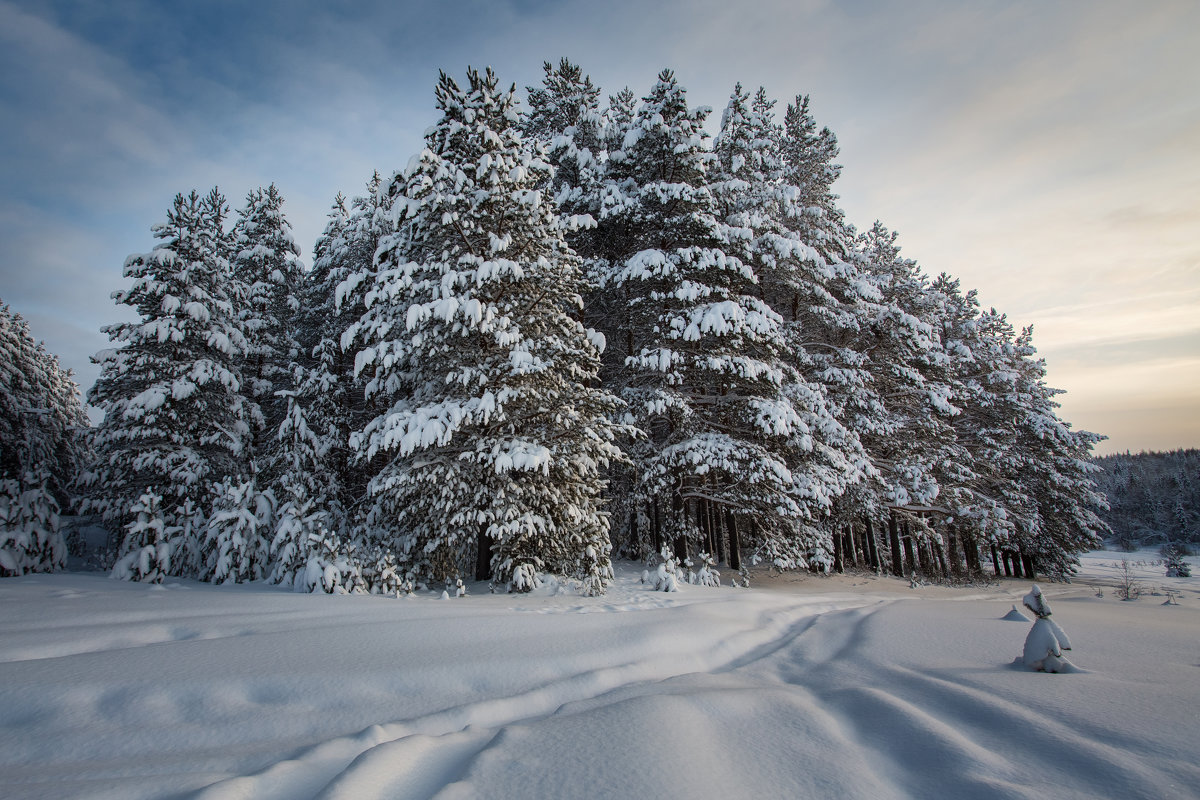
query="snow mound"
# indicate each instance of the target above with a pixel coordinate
(1015, 615)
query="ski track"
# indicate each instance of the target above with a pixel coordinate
(332, 764)
(820, 667)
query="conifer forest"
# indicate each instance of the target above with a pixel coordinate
(571, 329)
(1154, 498)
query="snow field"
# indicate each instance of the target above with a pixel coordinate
(850, 686)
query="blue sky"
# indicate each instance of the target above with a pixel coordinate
(1045, 153)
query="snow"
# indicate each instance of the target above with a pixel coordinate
(802, 686)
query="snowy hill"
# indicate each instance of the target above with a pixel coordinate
(851, 686)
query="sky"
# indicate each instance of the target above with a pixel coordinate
(1044, 153)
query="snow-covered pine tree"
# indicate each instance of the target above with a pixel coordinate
(315, 545)
(266, 273)
(334, 396)
(174, 417)
(981, 497)
(566, 97)
(622, 107)
(565, 118)
(809, 158)
(698, 357)
(236, 539)
(305, 537)
(497, 436)
(316, 429)
(1056, 471)
(912, 439)
(42, 444)
(806, 274)
(30, 540)
(150, 560)
(760, 209)
(1021, 479)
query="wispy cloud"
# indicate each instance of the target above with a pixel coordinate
(1043, 153)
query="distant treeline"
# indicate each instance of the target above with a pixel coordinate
(1154, 498)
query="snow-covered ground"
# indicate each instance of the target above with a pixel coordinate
(802, 687)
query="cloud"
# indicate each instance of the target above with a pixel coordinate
(1153, 404)
(1146, 317)
(1045, 154)
(72, 110)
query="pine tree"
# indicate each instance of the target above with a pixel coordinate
(567, 97)
(334, 393)
(174, 418)
(496, 437)
(809, 157)
(42, 425)
(982, 493)
(148, 558)
(699, 355)
(305, 534)
(316, 544)
(774, 189)
(1056, 472)
(907, 433)
(760, 210)
(267, 272)
(235, 545)
(565, 118)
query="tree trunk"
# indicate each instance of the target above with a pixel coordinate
(894, 539)
(483, 555)
(968, 547)
(908, 550)
(710, 525)
(940, 552)
(849, 551)
(656, 528)
(872, 545)
(735, 555)
(1029, 570)
(971, 551)
(838, 565)
(678, 513)
(633, 527)
(952, 537)
(995, 561)
(719, 526)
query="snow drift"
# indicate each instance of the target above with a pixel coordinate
(853, 687)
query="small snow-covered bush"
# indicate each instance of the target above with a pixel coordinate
(30, 540)
(1046, 641)
(331, 567)
(668, 575)
(1177, 567)
(147, 546)
(597, 572)
(381, 573)
(525, 578)
(707, 575)
(235, 541)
